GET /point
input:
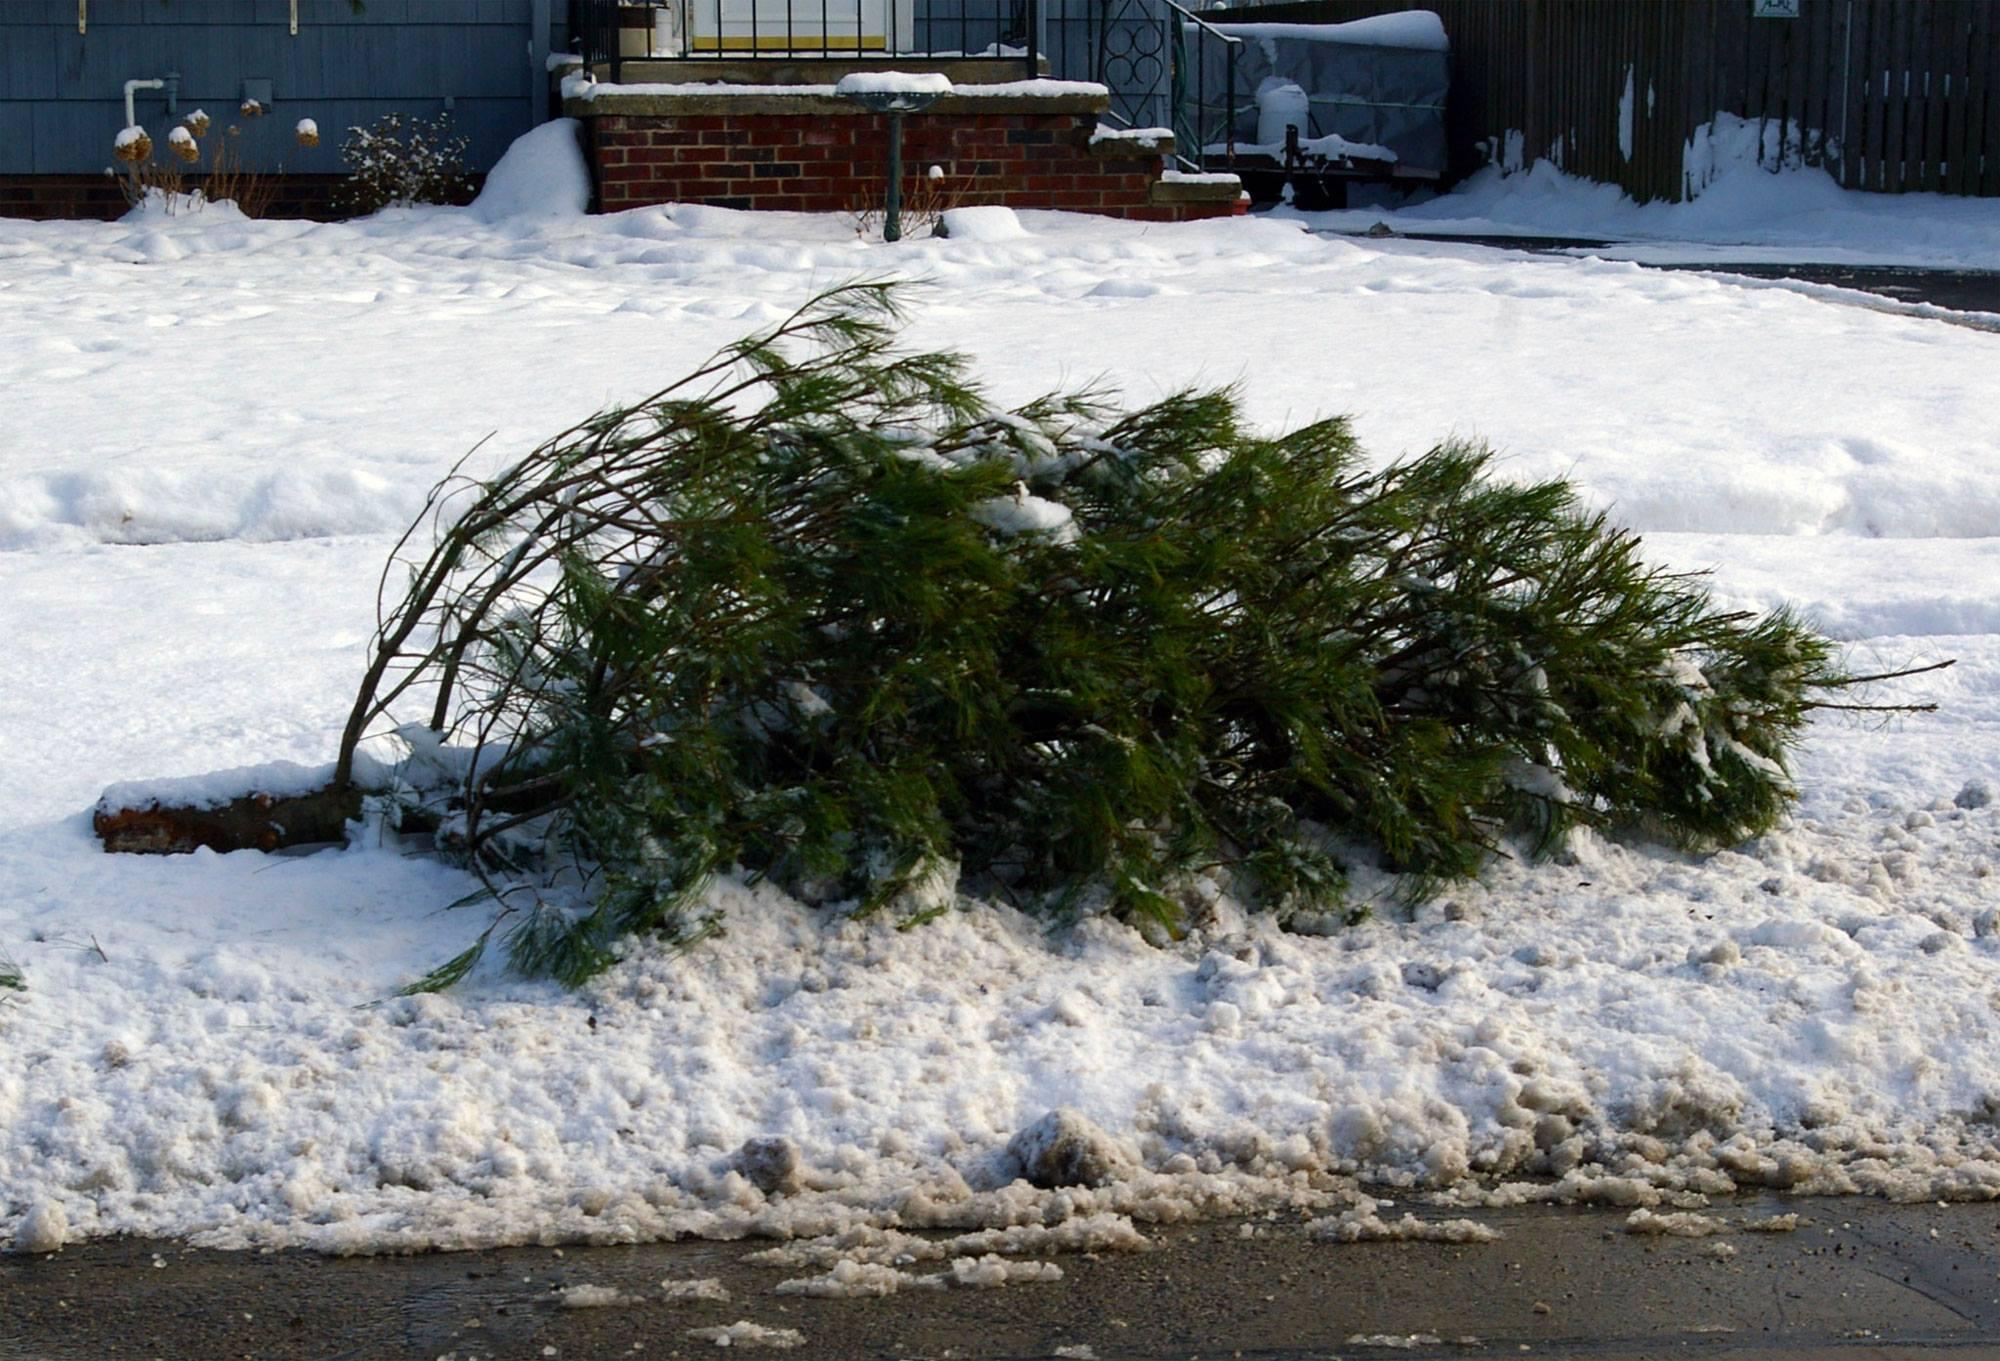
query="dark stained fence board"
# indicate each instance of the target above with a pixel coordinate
(1905, 130)
(1918, 131)
(1958, 146)
(1798, 70)
(1821, 75)
(1883, 19)
(1849, 123)
(1985, 89)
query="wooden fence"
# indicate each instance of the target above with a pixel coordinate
(1887, 95)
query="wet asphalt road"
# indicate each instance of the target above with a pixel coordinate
(1961, 290)
(1859, 1281)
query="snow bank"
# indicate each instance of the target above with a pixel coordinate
(1755, 201)
(224, 423)
(542, 175)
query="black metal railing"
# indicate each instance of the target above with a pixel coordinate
(607, 33)
(1204, 89)
(1164, 65)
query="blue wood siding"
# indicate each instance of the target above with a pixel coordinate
(61, 92)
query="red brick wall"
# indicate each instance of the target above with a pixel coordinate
(67, 196)
(839, 163)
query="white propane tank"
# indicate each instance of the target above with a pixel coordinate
(1282, 104)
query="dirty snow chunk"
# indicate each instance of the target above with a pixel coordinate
(1363, 1225)
(1401, 1342)
(1101, 1232)
(991, 222)
(1064, 1148)
(857, 1280)
(706, 1288)
(44, 1229)
(769, 1163)
(1076, 1351)
(993, 1271)
(1785, 1223)
(893, 83)
(744, 1333)
(594, 1297)
(542, 175)
(1678, 1224)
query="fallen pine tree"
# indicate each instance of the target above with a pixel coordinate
(820, 612)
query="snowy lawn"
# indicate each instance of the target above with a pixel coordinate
(214, 429)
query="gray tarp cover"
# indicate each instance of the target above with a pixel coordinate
(1391, 96)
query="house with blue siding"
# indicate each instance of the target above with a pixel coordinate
(82, 80)
(64, 65)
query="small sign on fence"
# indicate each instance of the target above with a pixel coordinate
(1774, 9)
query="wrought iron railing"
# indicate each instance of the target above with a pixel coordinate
(1205, 105)
(610, 32)
(1164, 65)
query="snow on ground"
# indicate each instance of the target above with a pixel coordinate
(1744, 213)
(215, 427)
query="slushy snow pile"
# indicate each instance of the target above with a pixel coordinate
(1755, 201)
(219, 425)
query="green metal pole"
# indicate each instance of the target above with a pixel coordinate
(892, 229)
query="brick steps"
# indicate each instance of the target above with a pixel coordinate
(811, 152)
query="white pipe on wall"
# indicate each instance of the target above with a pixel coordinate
(131, 116)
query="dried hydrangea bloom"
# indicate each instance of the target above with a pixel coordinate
(133, 146)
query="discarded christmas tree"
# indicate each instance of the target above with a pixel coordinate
(822, 613)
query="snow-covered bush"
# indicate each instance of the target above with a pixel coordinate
(822, 612)
(397, 163)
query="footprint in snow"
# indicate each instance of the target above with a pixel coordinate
(1127, 288)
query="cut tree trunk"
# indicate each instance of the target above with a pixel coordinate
(259, 822)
